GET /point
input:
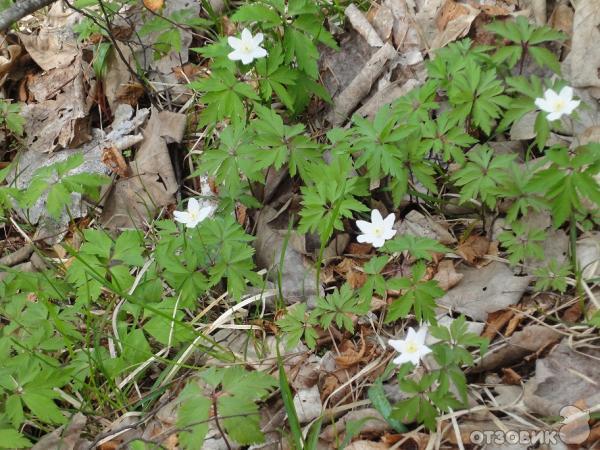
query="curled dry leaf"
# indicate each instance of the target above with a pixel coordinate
(532, 339)
(456, 27)
(308, 404)
(485, 290)
(417, 224)
(509, 376)
(113, 159)
(446, 275)
(350, 356)
(474, 248)
(564, 377)
(496, 322)
(55, 44)
(152, 183)
(581, 66)
(154, 5)
(374, 423)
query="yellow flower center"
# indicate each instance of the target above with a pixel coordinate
(411, 347)
(559, 104)
(247, 47)
(193, 215)
(378, 231)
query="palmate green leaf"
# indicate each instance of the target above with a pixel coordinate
(545, 58)
(10, 438)
(257, 12)
(418, 296)
(299, 45)
(41, 403)
(339, 307)
(194, 408)
(418, 247)
(297, 324)
(482, 175)
(522, 243)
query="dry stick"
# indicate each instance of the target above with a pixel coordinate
(19, 10)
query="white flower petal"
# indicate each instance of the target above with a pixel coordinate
(193, 206)
(258, 38)
(571, 106)
(397, 344)
(389, 220)
(235, 55)
(543, 104)
(376, 217)
(414, 358)
(247, 58)
(205, 212)
(388, 234)
(566, 93)
(378, 241)
(363, 239)
(181, 216)
(411, 335)
(555, 115)
(364, 226)
(234, 42)
(421, 335)
(424, 350)
(550, 96)
(402, 358)
(246, 35)
(259, 53)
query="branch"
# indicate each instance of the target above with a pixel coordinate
(19, 10)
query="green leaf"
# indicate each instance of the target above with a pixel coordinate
(10, 438)
(256, 13)
(194, 408)
(41, 404)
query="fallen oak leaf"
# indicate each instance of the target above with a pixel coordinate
(350, 357)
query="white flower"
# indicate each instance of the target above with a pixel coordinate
(247, 48)
(194, 215)
(378, 230)
(557, 104)
(412, 348)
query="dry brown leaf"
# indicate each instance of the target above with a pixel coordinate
(113, 159)
(473, 248)
(446, 275)
(455, 28)
(564, 376)
(509, 376)
(412, 441)
(573, 313)
(514, 323)
(367, 445)
(350, 356)
(482, 291)
(523, 343)
(154, 5)
(355, 248)
(356, 279)
(374, 424)
(562, 18)
(582, 64)
(496, 321)
(450, 10)
(55, 45)
(59, 119)
(152, 185)
(64, 438)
